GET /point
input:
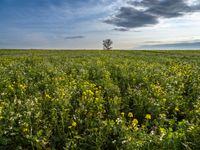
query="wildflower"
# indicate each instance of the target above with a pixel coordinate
(148, 116)
(163, 131)
(130, 114)
(176, 109)
(124, 141)
(11, 87)
(134, 122)
(143, 126)
(88, 92)
(47, 96)
(163, 116)
(152, 132)
(161, 137)
(122, 114)
(22, 86)
(136, 128)
(73, 125)
(25, 127)
(114, 141)
(118, 120)
(91, 93)
(84, 93)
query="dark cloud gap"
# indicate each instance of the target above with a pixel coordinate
(153, 10)
(74, 37)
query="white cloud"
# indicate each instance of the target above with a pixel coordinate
(192, 2)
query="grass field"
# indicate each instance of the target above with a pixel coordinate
(99, 100)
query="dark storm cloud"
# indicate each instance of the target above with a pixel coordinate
(165, 8)
(74, 37)
(129, 17)
(151, 12)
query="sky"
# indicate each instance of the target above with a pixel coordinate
(84, 24)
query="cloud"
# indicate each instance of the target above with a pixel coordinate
(129, 17)
(164, 8)
(149, 12)
(121, 29)
(152, 42)
(74, 37)
(125, 29)
(179, 45)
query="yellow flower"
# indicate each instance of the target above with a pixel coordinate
(143, 126)
(25, 127)
(122, 114)
(88, 92)
(148, 116)
(73, 125)
(176, 109)
(163, 131)
(134, 122)
(22, 86)
(11, 87)
(47, 96)
(130, 114)
(136, 128)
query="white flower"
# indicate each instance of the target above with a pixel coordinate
(124, 141)
(114, 141)
(118, 120)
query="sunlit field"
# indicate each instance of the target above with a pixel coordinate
(99, 100)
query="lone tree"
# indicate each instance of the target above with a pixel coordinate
(107, 44)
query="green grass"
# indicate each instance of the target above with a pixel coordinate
(53, 99)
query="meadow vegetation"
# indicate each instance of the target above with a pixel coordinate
(99, 100)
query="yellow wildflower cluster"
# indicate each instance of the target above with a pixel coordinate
(11, 87)
(148, 116)
(22, 86)
(73, 125)
(134, 124)
(88, 92)
(157, 89)
(122, 113)
(62, 92)
(25, 127)
(130, 115)
(47, 95)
